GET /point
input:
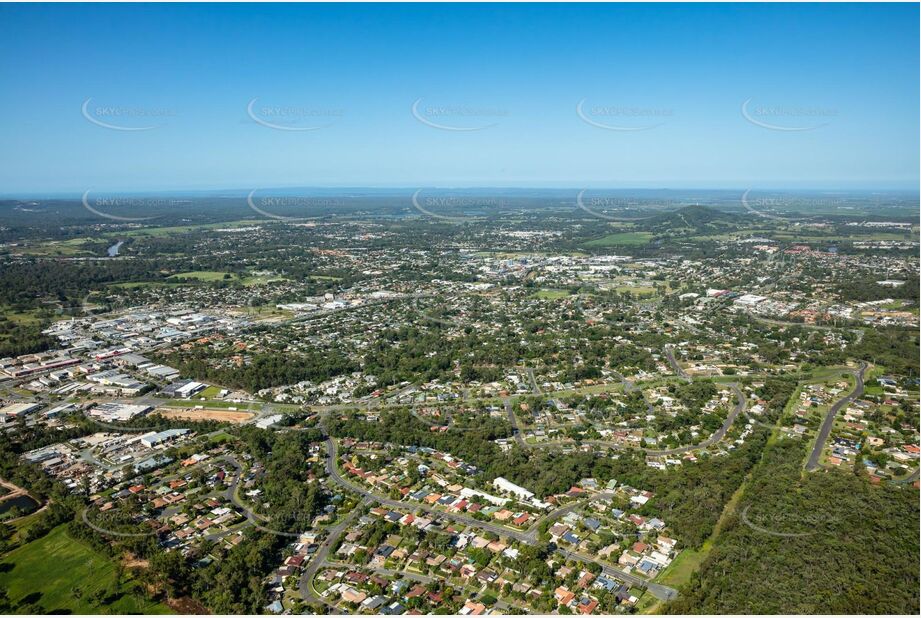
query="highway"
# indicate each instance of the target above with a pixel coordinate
(813, 462)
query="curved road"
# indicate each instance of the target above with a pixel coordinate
(813, 463)
(305, 585)
(530, 537)
(629, 387)
(909, 479)
(719, 434)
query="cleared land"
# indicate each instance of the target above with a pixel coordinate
(226, 416)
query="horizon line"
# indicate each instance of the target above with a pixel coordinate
(243, 191)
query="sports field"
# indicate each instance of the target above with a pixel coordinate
(621, 239)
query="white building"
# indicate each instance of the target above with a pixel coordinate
(118, 411)
(509, 487)
(268, 421)
(749, 300)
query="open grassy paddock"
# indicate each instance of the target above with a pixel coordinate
(58, 574)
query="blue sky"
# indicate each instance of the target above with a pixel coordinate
(832, 94)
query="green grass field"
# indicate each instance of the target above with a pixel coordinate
(205, 275)
(550, 294)
(261, 280)
(210, 392)
(621, 239)
(182, 229)
(70, 247)
(58, 574)
(635, 289)
(137, 284)
(20, 317)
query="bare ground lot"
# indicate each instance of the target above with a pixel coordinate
(206, 414)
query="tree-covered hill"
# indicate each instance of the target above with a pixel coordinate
(820, 543)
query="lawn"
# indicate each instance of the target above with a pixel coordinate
(679, 572)
(70, 247)
(205, 275)
(219, 438)
(621, 239)
(261, 280)
(182, 229)
(58, 574)
(137, 284)
(210, 392)
(24, 318)
(635, 289)
(551, 294)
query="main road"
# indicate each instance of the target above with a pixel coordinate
(813, 462)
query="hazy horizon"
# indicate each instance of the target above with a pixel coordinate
(571, 190)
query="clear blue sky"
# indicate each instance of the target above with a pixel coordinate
(849, 71)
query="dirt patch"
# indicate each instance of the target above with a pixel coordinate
(130, 561)
(187, 605)
(207, 414)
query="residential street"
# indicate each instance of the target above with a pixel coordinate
(659, 591)
(813, 463)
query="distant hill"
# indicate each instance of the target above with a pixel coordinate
(692, 218)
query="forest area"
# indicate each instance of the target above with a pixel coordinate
(820, 543)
